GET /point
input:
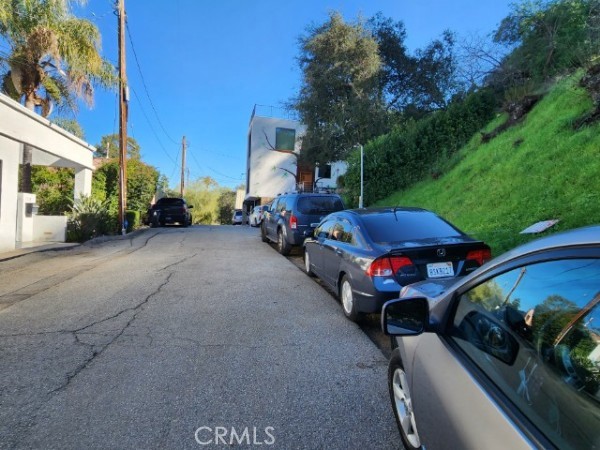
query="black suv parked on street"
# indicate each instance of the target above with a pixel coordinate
(291, 218)
(169, 210)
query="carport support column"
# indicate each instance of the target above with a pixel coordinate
(83, 183)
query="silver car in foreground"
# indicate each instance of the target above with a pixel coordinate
(508, 357)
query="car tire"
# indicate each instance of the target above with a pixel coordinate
(282, 245)
(348, 301)
(263, 234)
(402, 402)
(307, 269)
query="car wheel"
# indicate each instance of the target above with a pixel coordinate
(282, 245)
(402, 402)
(307, 269)
(263, 234)
(348, 302)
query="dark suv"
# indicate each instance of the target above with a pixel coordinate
(291, 218)
(169, 210)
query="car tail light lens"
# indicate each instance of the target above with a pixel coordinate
(388, 266)
(293, 222)
(481, 256)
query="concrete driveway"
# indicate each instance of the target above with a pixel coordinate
(182, 338)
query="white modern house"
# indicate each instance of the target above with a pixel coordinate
(272, 163)
(53, 147)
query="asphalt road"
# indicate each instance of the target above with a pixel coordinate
(183, 338)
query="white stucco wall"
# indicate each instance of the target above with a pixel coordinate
(49, 228)
(337, 168)
(10, 155)
(266, 179)
(52, 146)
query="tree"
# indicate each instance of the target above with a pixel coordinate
(226, 205)
(340, 100)
(398, 67)
(109, 147)
(142, 181)
(547, 37)
(54, 58)
(203, 194)
(419, 83)
(70, 125)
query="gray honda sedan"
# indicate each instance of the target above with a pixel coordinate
(507, 357)
(367, 255)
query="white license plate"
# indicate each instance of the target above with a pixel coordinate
(438, 270)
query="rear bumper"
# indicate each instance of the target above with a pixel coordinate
(370, 304)
(172, 218)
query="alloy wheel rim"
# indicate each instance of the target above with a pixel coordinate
(347, 299)
(404, 409)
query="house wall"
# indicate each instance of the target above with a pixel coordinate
(49, 228)
(10, 155)
(265, 176)
(337, 168)
(52, 146)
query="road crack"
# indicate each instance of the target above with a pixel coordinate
(97, 350)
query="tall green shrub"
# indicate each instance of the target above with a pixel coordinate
(417, 149)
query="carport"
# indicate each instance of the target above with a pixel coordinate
(53, 147)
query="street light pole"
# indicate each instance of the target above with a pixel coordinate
(360, 199)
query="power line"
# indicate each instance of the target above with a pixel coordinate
(152, 128)
(145, 86)
(223, 175)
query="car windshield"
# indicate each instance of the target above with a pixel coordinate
(319, 205)
(406, 226)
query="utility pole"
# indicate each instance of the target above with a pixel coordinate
(123, 99)
(182, 190)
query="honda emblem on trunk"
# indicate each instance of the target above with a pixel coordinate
(441, 252)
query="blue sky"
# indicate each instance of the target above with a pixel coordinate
(206, 63)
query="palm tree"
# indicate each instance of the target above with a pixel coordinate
(54, 59)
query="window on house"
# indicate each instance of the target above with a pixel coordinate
(285, 139)
(324, 171)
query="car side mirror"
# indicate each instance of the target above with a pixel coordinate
(190, 206)
(405, 316)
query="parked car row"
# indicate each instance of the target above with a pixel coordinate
(486, 354)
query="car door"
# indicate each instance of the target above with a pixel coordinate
(334, 248)
(315, 246)
(518, 364)
(270, 219)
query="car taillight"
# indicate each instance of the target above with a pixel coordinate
(293, 221)
(481, 256)
(388, 266)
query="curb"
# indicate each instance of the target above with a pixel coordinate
(17, 253)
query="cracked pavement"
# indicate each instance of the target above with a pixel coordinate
(137, 343)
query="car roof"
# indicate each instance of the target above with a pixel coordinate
(307, 194)
(579, 237)
(385, 210)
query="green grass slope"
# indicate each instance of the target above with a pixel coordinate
(540, 169)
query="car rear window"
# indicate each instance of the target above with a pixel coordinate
(319, 205)
(170, 201)
(406, 226)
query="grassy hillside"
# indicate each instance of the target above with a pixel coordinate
(540, 169)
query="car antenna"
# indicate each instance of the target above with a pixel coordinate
(396, 208)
